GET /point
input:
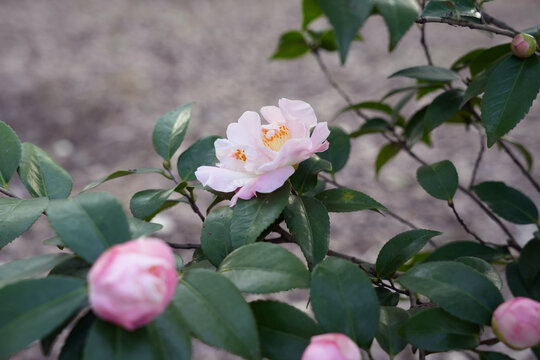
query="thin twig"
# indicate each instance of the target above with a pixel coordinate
(491, 341)
(191, 200)
(184, 246)
(335, 84)
(193, 205)
(423, 38)
(465, 23)
(491, 20)
(519, 165)
(462, 223)
(478, 159)
(390, 213)
(7, 193)
(511, 240)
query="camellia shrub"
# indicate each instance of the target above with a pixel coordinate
(115, 291)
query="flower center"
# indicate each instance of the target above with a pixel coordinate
(274, 138)
(240, 154)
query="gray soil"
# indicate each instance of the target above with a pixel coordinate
(86, 81)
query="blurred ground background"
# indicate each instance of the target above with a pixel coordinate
(86, 81)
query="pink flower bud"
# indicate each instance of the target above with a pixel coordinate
(331, 347)
(523, 45)
(131, 283)
(517, 323)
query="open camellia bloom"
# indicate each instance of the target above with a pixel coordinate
(516, 322)
(260, 158)
(132, 283)
(333, 346)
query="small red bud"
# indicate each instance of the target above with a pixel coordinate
(523, 45)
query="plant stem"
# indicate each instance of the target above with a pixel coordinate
(423, 38)
(462, 223)
(184, 246)
(8, 194)
(466, 23)
(519, 165)
(478, 159)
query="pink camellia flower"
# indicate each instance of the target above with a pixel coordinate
(260, 158)
(331, 347)
(523, 45)
(517, 323)
(131, 283)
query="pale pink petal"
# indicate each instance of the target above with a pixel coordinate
(221, 179)
(272, 114)
(265, 183)
(319, 136)
(298, 111)
(293, 152)
(247, 131)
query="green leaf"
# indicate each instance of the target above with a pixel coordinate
(252, 217)
(489, 57)
(10, 154)
(139, 228)
(24, 268)
(440, 179)
(145, 204)
(464, 61)
(456, 249)
(445, 281)
(339, 149)
(507, 202)
(476, 87)
(216, 235)
(346, 17)
(305, 177)
(169, 336)
(517, 284)
(106, 341)
(121, 173)
(347, 200)
(73, 267)
(443, 108)
(89, 223)
(264, 268)
(308, 221)
(450, 9)
(401, 248)
(17, 215)
(74, 344)
(387, 297)
(284, 330)
(484, 268)
(415, 128)
(291, 45)
(510, 91)
(310, 11)
(387, 153)
(41, 175)
(528, 263)
(392, 318)
(429, 73)
(436, 330)
(201, 153)
(33, 308)
(371, 126)
(399, 15)
(170, 130)
(216, 313)
(344, 301)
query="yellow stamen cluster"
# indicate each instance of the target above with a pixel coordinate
(239, 154)
(275, 138)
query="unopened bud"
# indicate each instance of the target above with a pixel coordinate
(517, 323)
(331, 346)
(523, 45)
